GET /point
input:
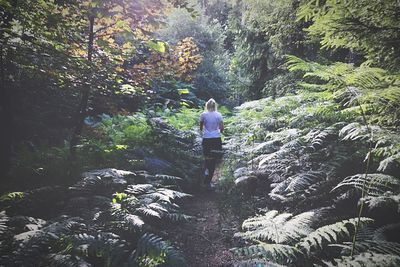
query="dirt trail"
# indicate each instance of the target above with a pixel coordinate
(205, 241)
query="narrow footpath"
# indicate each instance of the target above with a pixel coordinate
(206, 240)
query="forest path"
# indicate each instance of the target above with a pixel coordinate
(206, 240)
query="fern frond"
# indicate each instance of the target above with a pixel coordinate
(304, 180)
(111, 179)
(280, 228)
(139, 189)
(34, 245)
(173, 216)
(134, 221)
(382, 200)
(149, 212)
(3, 222)
(354, 131)
(365, 77)
(383, 164)
(168, 177)
(277, 252)
(383, 233)
(287, 150)
(153, 247)
(172, 194)
(297, 64)
(12, 196)
(383, 247)
(122, 219)
(369, 259)
(375, 184)
(317, 137)
(105, 245)
(331, 233)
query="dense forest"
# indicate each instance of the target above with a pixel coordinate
(100, 156)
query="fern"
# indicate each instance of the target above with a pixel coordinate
(367, 259)
(289, 149)
(153, 249)
(150, 191)
(331, 233)
(280, 228)
(304, 180)
(114, 213)
(139, 189)
(356, 86)
(104, 180)
(122, 219)
(144, 201)
(33, 246)
(383, 247)
(355, 131)
(383, 233)
(105, 246)
(172, 194)
(167, 177)
(299, 245)
(388, 148)
(375, 184)
(12, 196)
(382, 200)
(317, 138)
(387, 161)
(277, 252)
(3, 222)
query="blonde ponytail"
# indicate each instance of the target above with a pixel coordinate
(211, 105)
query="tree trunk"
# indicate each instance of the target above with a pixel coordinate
(84, 98)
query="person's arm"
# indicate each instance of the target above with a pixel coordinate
(201, 123)
(221, 126)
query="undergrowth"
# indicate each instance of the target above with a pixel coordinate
(305, 155)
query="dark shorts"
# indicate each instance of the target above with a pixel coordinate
(212, 147)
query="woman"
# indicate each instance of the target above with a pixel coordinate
(212, 124)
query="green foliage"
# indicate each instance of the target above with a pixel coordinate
(12, 196)
(3, 221)
(96, 226)
(265, 31)
(132, 130)
(152, 251)
(385, 199)
(373, 90)
(374, 184)
(99, 220)
(369, 259)
(186, 119)
(298, 239)
(301, 149)
(210, 78)
(332, 233)
(282, 228)
(44, 165)
(277, 252)
(362, 26)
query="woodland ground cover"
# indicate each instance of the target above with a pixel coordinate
(99, 108)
